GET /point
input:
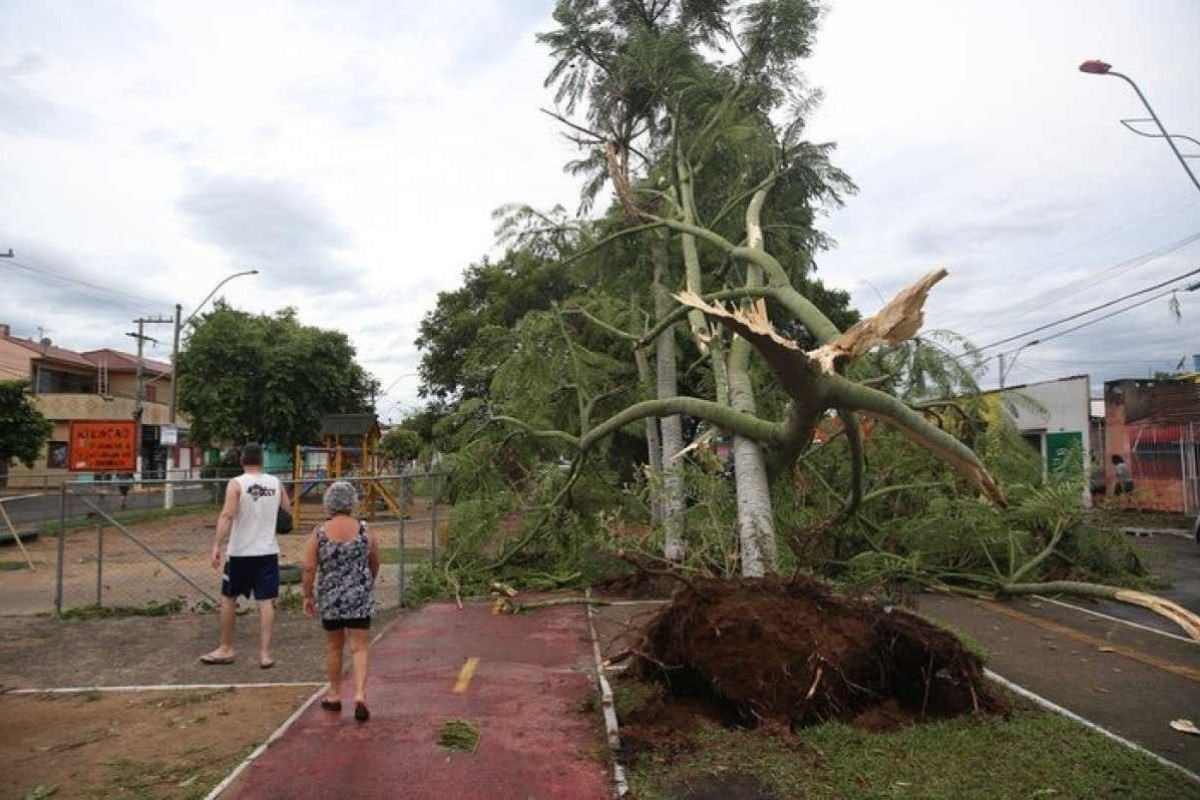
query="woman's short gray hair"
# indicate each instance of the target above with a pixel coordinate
(341, 497)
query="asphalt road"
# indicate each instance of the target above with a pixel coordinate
(1122, 667)
(32, 512)
(1173, 557)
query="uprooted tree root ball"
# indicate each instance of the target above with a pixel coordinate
(768, 650)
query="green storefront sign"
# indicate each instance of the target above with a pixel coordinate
(1061, 450)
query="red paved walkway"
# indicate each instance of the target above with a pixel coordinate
(526, 697)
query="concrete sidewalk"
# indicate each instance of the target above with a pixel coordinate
(529, 698)
(1131, 681)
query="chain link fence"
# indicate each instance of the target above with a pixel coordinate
(104, 548)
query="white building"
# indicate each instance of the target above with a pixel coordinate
(1055, 418)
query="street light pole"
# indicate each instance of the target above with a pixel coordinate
(1097, 67)
(1015, 353)
(179, 328)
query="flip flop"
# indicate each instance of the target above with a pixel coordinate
(360, 712)
(266, 664)
(331, 705)
(216, 661)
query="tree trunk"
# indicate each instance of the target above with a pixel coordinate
(672, 502)
(756, 516)
(653, 446)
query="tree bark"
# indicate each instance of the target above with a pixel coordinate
(654, 463)
(755, 514)
(672, 502)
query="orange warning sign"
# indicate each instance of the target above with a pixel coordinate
(103, 446)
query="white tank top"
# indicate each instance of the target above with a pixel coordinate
(254, 525)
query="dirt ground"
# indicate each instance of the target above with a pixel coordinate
(176, 744)
(129, 576)
(41, 652)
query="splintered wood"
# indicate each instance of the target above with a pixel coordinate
(1177, 614)
(896, 322)
(750, 321)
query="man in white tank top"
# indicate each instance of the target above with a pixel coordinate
(251, 558)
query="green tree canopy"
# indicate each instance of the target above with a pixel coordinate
(267, 378)
(493, 294)
(23, 429)
(401, 444)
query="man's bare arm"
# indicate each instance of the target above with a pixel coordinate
(285, 500)
(233, 493)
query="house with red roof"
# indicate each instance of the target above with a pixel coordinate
(94, 385)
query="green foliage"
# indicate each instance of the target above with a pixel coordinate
(400, 445)
(165, 608)
(246, 377)
(457, 734)
(23, 429)
(459, 337)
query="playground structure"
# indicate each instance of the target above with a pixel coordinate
(349, 448)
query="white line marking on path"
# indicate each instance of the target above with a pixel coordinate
(287, 723)
(262, 748)
(162, 687)
(607, 703)
(1137, 625)
(1071, 715)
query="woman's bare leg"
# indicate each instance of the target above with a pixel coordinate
(334, 640)
(359, 644)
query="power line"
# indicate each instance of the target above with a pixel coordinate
(1085, 312)
(1071, 288)
(1138, 304)
(45, 273)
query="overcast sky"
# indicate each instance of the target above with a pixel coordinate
(353, 153)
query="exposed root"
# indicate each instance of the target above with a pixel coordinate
(795, 653)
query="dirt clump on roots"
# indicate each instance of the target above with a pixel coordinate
(639, 585)
(765, 650)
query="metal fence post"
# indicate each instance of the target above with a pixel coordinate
(99, 565)
(403, 577)
(433, 522)
(62, 549)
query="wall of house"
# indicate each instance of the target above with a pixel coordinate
(14, 361)
(1058, 412)
(1154, 426)
(124, 384)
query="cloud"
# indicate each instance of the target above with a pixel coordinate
(1009, 227)
(24, 112)
(269, 224)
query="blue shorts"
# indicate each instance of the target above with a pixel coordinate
(246, 574)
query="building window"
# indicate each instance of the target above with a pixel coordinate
(56, 455)
(53, 381)
(151, 393)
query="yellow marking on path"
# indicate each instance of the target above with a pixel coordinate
(465, 674)
(1181, 670)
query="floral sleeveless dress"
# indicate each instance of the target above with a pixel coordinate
(344, 576)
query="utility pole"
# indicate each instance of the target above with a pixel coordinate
(140, 391)
(175, 361)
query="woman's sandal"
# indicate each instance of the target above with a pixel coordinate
(331, 705)
(360, 712)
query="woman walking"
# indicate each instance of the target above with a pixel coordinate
(342, 560)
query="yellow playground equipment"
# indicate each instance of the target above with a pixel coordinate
(348, 449)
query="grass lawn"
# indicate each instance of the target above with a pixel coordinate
(391, 555)
(1032, 755)
(131, 517)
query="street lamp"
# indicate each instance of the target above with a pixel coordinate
(1013, 362)
(1097, 67)
(179, 326)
